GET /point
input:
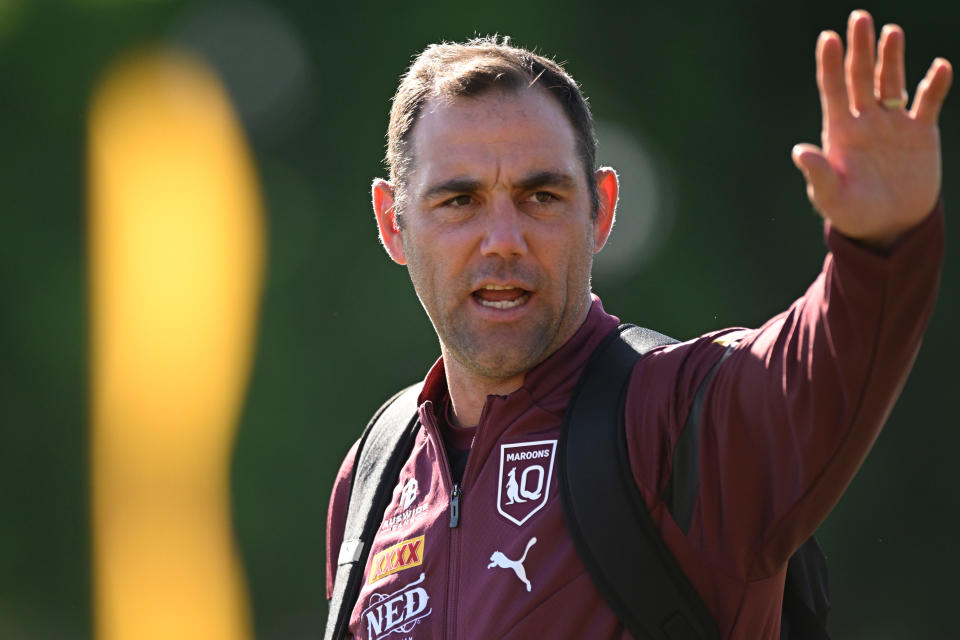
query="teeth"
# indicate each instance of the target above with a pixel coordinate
(505, 304)
(496, 287)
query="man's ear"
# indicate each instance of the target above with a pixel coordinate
(385, 209)
(608, 189)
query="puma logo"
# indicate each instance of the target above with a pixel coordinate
(497, 559)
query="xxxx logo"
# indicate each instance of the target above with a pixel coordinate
(400, 556)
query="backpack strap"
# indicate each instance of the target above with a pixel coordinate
(612, 531)
(384, 447)
(684, 487)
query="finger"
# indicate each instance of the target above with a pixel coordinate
(833, 91)
(932, 91)
(823, 183)
(860, 60)
(890, 80)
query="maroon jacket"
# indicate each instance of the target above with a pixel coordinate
(788, 419)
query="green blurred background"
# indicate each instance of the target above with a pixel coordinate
(697, 106)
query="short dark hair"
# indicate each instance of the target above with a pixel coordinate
(471, 69)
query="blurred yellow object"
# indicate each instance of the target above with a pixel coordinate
(176, 261)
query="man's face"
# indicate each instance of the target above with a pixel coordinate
(497, 231)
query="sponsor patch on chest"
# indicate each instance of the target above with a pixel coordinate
(407, 507)
(526, 469)
(397, 612)
(403, 555)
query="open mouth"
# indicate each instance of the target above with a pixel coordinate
(501, 297)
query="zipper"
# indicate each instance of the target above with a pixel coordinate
(456, 494)
(456, 499)
(453, 567)
(455, 506)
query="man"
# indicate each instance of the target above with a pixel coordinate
(496, 209)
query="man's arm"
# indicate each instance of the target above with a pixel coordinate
(798, 405)
(793, 411)
(809, 392)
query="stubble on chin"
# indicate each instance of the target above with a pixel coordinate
(487, 357)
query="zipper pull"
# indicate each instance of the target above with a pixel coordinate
(455, 506)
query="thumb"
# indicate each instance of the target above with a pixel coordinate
(823, 183)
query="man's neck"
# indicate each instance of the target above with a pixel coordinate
(469, 391)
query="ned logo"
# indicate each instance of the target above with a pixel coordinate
(397, 612)
(525, 472)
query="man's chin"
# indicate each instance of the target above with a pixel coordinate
(500, 352)
(503, 363)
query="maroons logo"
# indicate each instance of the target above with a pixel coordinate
(525, 472)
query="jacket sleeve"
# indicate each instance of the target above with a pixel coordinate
(337, 514)
(790, 415)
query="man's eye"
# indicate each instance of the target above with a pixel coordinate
(542, 197)
(460, 201)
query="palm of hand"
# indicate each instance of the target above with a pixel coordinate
(889, 173)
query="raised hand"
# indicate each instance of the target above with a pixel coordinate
(878, 172)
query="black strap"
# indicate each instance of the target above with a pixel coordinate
(612, 531)
(684, 487)
(380, 457)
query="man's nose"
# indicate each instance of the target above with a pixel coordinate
(503, 230)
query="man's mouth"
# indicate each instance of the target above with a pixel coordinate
(501, 297)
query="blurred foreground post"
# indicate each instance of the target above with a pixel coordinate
(176, 256)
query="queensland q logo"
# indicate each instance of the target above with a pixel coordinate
(525, 472)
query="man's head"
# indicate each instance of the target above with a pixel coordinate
(501, 210)
(448, 71)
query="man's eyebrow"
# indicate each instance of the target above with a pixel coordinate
(466, 184)
(555, 179)
(460, 184)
